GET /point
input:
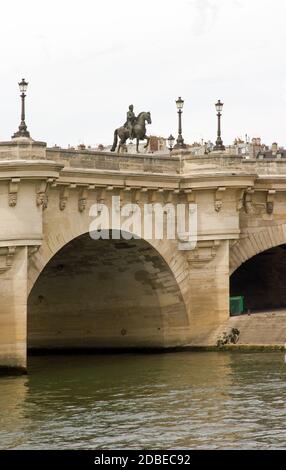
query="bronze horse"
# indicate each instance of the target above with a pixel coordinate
(139, 132)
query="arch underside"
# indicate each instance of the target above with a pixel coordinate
(255, 242)
(106, 294)
(261, 280)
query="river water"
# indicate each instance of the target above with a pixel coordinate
(181, 400)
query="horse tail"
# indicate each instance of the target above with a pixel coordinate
(113, 148)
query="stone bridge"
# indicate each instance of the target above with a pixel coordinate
(62, 290)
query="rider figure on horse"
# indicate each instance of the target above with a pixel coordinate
(131, 120)
(134, 128)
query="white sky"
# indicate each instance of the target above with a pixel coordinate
(87, 60)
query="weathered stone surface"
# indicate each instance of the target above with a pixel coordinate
(92, 291)
(143, 293)
(258, 329)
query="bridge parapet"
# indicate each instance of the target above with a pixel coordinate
(108, 161)
(266, 166)
(23, 148)
(214, 162)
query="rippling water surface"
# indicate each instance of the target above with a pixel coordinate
(181, 400)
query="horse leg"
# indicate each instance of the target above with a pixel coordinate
(122, 142)
(148, 140)
(113, 148)
(137, 145)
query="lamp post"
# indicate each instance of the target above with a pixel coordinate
(171, 141)
(219, 143)
(180, 141)
(22, 132)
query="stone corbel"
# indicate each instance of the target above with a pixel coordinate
(33, 250)
(137, 195)
(116, 201)
(152, 198)
(108, 189)
(168, 197)
(64, 195)
(82, 199)
(101, 197)
(122, 198)
(143, 191)
(6, 258)
(270, 201)
(42, 200)
(160, 196)
(177, 194)
(240, 199)
(127, 190)
(191, 196)
(218, 202)
(204, 252)
(42, 193)
(248, 204)
(13, 192)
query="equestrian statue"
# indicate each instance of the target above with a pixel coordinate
(134, 128)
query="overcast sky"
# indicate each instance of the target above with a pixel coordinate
(87, 60)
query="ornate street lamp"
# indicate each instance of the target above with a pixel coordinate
(22, 132)
(171, 141)
(219, 143)
(180, 141)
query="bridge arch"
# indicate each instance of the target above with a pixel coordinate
(106, 294)
(254, 242)
(258, 268)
